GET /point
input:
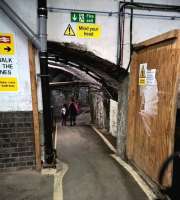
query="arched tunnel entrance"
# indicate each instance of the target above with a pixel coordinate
(93, 82)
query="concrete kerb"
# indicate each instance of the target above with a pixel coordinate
(147, 190)
(104, 139)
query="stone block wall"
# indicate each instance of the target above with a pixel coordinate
(99, 107)
(16, 141)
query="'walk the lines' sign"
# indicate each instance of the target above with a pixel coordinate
(88, 30)
(8, 64)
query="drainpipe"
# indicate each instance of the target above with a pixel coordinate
(130, 38)
(42, 14)
(20, 23)
(121, 18)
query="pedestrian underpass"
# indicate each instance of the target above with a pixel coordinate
(62, 50)
(92, 172)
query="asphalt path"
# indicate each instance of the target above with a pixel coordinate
(92, 174)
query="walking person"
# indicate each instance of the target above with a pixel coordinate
(63, 115)
(72, 112)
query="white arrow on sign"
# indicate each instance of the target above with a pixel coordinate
(74, 17)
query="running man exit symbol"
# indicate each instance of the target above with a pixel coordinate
(69, 31)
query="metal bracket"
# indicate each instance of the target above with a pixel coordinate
(41, 75)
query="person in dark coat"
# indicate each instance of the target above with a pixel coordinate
(72, 112)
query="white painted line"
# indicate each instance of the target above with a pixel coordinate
(104, 139)
(138, 179)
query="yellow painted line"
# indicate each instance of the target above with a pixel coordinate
(147, 190)
(48, 171)
(55, 139)
(104, 139)
(58, 185)
(58, 173)
(58, 179)
(62, 168)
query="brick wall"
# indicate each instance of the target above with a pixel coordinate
(16, 141)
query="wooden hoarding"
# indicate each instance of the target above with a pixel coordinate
(153, 86)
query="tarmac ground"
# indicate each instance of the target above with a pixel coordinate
(90, 172)
(93, 174)
(26, 185)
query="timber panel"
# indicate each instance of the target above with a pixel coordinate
(151, 136)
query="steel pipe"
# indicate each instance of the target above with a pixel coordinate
(42, 14)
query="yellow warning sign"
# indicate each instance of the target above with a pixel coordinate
(69, 31)
(6, 44)
(143, 74)
(142, 81)
(88, 30)
(8, 84)
(8, 74)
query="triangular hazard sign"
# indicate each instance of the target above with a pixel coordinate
(69, 31)
(142, 73)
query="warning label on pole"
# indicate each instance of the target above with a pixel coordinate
(143, 74)
(8, 74)
(6, 44)
(88, 30)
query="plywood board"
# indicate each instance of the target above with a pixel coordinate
(152, 109)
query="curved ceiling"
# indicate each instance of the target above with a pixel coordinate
(69, 56)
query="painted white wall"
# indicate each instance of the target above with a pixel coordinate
(113, 117)
(21, 100)
(105, 46)
(148, 27)
(27, 10)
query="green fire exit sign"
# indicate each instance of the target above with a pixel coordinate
(83, 17)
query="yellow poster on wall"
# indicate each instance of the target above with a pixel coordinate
(8, 84)
(8, 74)
(8, 64)
(143, 74)
(88, 31)
(6, 44)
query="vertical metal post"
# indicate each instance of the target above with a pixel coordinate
(42, 14)
(119, 37)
